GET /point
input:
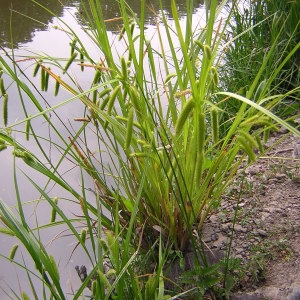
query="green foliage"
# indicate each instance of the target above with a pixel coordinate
(263, 31)
(169, 142)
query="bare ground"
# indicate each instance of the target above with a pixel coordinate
(267, 231)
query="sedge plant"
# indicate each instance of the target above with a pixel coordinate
(165, 154)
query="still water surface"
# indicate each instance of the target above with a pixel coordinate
(28, 29)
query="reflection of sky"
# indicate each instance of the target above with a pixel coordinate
(53, 42)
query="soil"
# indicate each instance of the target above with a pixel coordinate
(266, 234)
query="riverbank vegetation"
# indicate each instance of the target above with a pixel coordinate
(174, 121)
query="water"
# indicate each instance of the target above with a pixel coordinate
(34, 30)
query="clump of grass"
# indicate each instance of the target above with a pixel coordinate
(165, 153)
(256, 29)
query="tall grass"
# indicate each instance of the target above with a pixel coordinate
(264, 31)
(165, 153)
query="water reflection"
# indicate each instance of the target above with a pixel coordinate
(111, 10)
(26, 17)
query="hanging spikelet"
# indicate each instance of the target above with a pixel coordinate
(186, 110)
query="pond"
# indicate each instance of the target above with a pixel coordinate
(26, 29)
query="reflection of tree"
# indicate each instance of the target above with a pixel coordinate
(110, 10)
(13, 15)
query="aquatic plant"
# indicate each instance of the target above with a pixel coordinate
(164, 153)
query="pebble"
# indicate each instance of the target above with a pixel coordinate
(214, 237)
(220, 242)
(281, 177)
(262, 232)
(265, 216)
(239, 250)
(214, 219)
(226, 227)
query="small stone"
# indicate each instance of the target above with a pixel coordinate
(264, 216)
(245, 230)
(239, 250)
(238, 228)
(226, 227)
(273, 181)
(220, 242)
(296, 152)
(214, 219)
(262, 232)
(214, 237)
(206, 239)
(282, 130)
(280, 177)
